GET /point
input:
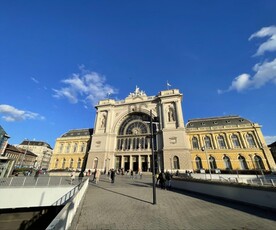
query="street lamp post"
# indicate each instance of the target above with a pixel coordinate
(207, 160)
(153, 161)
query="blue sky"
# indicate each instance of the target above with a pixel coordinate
(58, 58)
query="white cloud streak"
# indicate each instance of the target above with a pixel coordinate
(269, 139)
(265, 71)
(12, 114)
(86, 86)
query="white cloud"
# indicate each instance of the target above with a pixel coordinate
(265, 71)
(34, 80)
(86, 86)
(270, 139)
(270, 44)
(12, 114)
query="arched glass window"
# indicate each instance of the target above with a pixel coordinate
(208, 143)
(221, 142)
(259, 162)
(71, 163)
(212, 161)
(195, 143)
(63, 163)
(176, 162)
(243, 164)
(250, 141)
(79, 163)
(198, 163)
(227, 162)
(235, 140)
(56, 163)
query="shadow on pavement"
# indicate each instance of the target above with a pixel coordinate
(244, 207)
(122, 194)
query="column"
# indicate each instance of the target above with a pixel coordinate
(131, 162)
(123, 162)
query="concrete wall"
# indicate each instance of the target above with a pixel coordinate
(265, 197)
(31, 196)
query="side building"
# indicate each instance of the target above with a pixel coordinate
(228, 143)
(272, 147)
(42, 149)
(71, 149)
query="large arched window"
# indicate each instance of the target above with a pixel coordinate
(259, 162)
(195, 143)
(79, 163)
(176, 162)
(63, 163)
(227, 163)
(250, 140)
(208, 143)
(235, 141)
(221, 142)
(95, 163)
(243, 164)
(56, 163)
(198, 163)
(212, 161)
(71, 163)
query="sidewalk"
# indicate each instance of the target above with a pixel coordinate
(127, 204)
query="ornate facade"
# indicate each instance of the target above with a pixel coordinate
(71, 149)
(122, 137)
(228, 143)
(122, 133)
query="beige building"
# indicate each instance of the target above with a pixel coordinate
(122, 133)
(42, 149)
(122, 138)
(71, 149)
(228, 143)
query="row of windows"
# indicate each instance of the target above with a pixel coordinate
(74, 147)
(257, 161)
(64, 162)
(222, 143)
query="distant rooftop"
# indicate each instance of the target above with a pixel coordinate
(36, 143)
(78, 132)
(217, 121)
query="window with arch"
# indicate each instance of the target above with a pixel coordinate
(56, 163)
(243, 163)
(79, 163)
(68, 148)
(259, 162)
(250, 140)
(71, 163)
(221, 142)
(235, 141)
(63, 163)
(198, 163)
(227, 163)
(208, 143)
(195, 143)
(95, 163)
(60, 148)
(75, 147)
(82, 147)
(176, 162)
(212, 161)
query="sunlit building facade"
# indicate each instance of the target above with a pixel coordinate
(71, 149)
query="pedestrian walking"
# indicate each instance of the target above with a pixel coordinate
(97, 176)
(168, 177)
(73, 176)
(162, 180)
(112, 175)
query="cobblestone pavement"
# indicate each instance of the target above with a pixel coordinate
(127, 204)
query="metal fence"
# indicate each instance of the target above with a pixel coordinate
(36, 181)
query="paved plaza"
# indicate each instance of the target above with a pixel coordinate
(127, 204)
